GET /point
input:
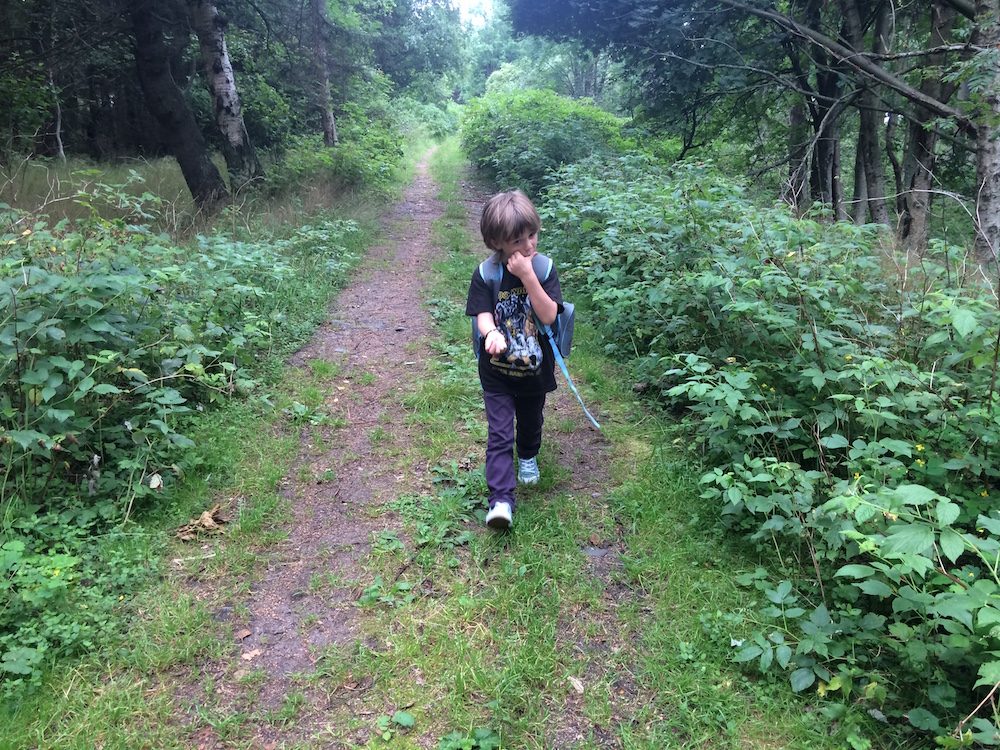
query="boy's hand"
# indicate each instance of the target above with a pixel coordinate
(495, 343)
(520, 265)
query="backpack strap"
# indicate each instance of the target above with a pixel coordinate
(547, 330)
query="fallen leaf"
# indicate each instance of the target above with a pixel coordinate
(210, 522)
(251, 655)
(577, 684)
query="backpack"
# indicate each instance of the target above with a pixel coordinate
(562, 329)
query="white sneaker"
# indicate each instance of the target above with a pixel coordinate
(527, 471)
(500, 516)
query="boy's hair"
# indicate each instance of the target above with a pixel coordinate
(506, 216)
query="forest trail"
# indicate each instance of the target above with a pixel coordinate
(376, 341)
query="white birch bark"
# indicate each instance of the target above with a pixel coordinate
(324, 100)
(240, 157)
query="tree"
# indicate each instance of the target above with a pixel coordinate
(826, 63)
(167, 103)
(324, 101)
(988, 131)
(210, 26)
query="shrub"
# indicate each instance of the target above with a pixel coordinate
(437, 120)
(851, 418)
(370, 150)
(110, 338)
(519, 138)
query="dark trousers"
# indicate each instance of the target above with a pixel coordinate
(502, 411)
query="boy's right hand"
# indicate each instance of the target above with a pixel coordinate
(495, 343)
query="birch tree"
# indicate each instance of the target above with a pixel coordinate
(241, 160)
(324, 100)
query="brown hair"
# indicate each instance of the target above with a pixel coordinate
(506, 216)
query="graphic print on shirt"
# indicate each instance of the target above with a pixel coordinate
(524, 351)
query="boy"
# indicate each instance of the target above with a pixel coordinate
(516, 366)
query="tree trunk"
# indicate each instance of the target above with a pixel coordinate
(60, 152)
(988, 139)
(166, 101)
(796, 190)
(869, 112)
(836, 186)
(324, 100)
(236, 147)
(919, 163)
(859, 204)
(897, 168)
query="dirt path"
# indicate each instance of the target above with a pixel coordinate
(376, 341)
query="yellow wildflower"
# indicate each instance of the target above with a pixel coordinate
(56, 571)
(984, 493)
(848, 357)
(857, 475)
(918, 447)
(920, 462)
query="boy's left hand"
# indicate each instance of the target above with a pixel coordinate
(520, 265)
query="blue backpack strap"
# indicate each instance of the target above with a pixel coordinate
(542, 264)
(491, 272)
(565, 371)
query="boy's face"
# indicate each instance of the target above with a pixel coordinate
(525, 245)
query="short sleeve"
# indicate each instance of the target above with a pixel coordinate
(480, 297)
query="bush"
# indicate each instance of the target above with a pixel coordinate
(437, 120)
(370, 150)
(110, 338)
(520, 138)
(852, 418)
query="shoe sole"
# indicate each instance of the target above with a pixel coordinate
(499, 523)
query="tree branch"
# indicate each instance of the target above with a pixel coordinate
(924, 52)
(964, 7)
(857, 61)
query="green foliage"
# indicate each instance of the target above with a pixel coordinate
(111, 337)
(370, 150)
(520, 138)
(480, 739)
(438, 120)
(852, 418)
(26, 101)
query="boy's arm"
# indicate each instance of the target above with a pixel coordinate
(484, 321)
(543, 305)
(495, 344)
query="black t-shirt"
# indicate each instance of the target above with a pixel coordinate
(527, 366)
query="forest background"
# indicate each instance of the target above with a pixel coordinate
(783, 215)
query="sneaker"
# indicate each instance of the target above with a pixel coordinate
(500, 516)
(527, 471)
